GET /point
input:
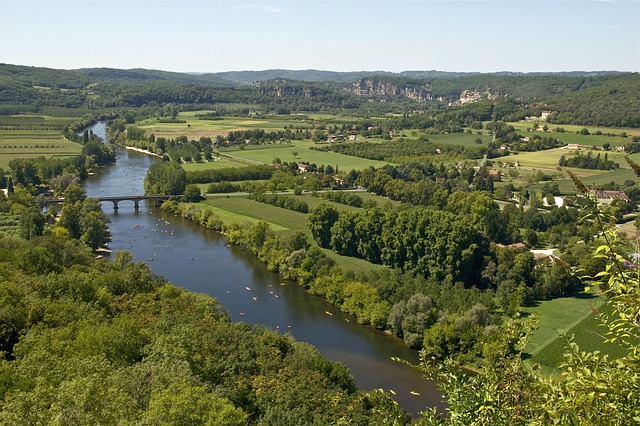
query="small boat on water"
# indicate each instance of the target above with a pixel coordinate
(414, 393)
(392, 391)
(328, 313)
(248, 288)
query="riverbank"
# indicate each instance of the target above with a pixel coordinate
(308, 269)
(141, 151)
(295, 259)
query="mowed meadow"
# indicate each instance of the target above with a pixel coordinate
(34, 136)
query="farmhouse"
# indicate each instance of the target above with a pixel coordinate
(517, 246)
(303, 167)
(606, 197)
(496, 174)
(544, 115)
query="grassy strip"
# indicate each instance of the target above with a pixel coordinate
(240, 209)
(572, 316)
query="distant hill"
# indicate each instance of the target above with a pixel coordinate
(138, 75)
(249, 77)
(42, 77)
(576, 97)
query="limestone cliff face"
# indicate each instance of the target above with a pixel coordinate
(470, 96)
(290, 91)
(283, 88)
(375, 87)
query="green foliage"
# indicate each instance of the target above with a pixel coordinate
(192, 193)
(589, 388)
(589, 162)
(283, 201)
(427, 242)
(165, 179)
(321, 219)
(95, 341)
(231, 174)
(83, 218)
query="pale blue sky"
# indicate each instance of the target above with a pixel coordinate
(336, 35)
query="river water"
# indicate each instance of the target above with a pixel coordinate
(202, 261)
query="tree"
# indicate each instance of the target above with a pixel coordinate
(94, 229)
(190, 405)
(74, 194)
(320, 222)
(192, 193)
(31, 223)
(24, 172)
(165, 179)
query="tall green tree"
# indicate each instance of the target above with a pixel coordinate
(165, 179)
(31, 223)
(320, 222)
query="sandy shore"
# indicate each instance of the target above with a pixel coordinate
(142, 151)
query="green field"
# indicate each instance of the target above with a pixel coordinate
(195, 128)
(571, 133)
(241, 210)
(34, 143)
(573, 316)
(547, 162)
(304, 154)
(464, 139)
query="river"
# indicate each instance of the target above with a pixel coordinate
(202, 261)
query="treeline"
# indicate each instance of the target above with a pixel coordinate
(347, 198)
(257, 172)
(538, 143)
(283, 201)
(260, 136)
(400, 150)
(589, 162)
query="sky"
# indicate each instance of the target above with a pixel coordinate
(334, 35)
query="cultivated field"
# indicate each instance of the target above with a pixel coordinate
(34, 143)
(573, 316)
(465, 139)
(267, 153)
(195, 128)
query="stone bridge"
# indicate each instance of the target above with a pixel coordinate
(117, 199)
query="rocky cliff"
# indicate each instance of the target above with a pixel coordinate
(419, 92)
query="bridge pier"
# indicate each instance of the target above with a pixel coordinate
(115, 205)
(136, 205)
